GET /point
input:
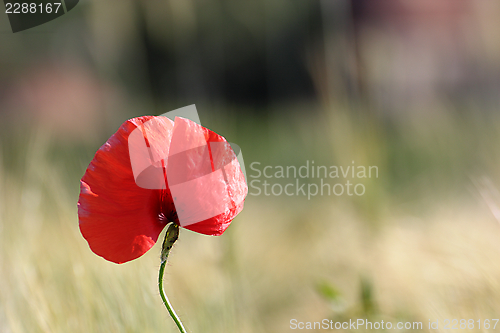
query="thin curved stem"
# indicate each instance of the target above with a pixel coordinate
(170, 238)
(167, 302)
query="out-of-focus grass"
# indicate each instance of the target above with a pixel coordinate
(419, 245)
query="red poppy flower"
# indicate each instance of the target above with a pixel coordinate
(153, 171)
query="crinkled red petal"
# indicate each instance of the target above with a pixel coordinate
(119, 220)
(216, 226)
(206, 181)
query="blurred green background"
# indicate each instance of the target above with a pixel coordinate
(412, 87)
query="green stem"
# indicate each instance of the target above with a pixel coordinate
(170, 238)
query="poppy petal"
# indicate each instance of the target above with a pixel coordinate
(216, 226)
(119, 219)
(204, 177)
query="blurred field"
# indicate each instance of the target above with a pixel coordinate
(420, 246)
